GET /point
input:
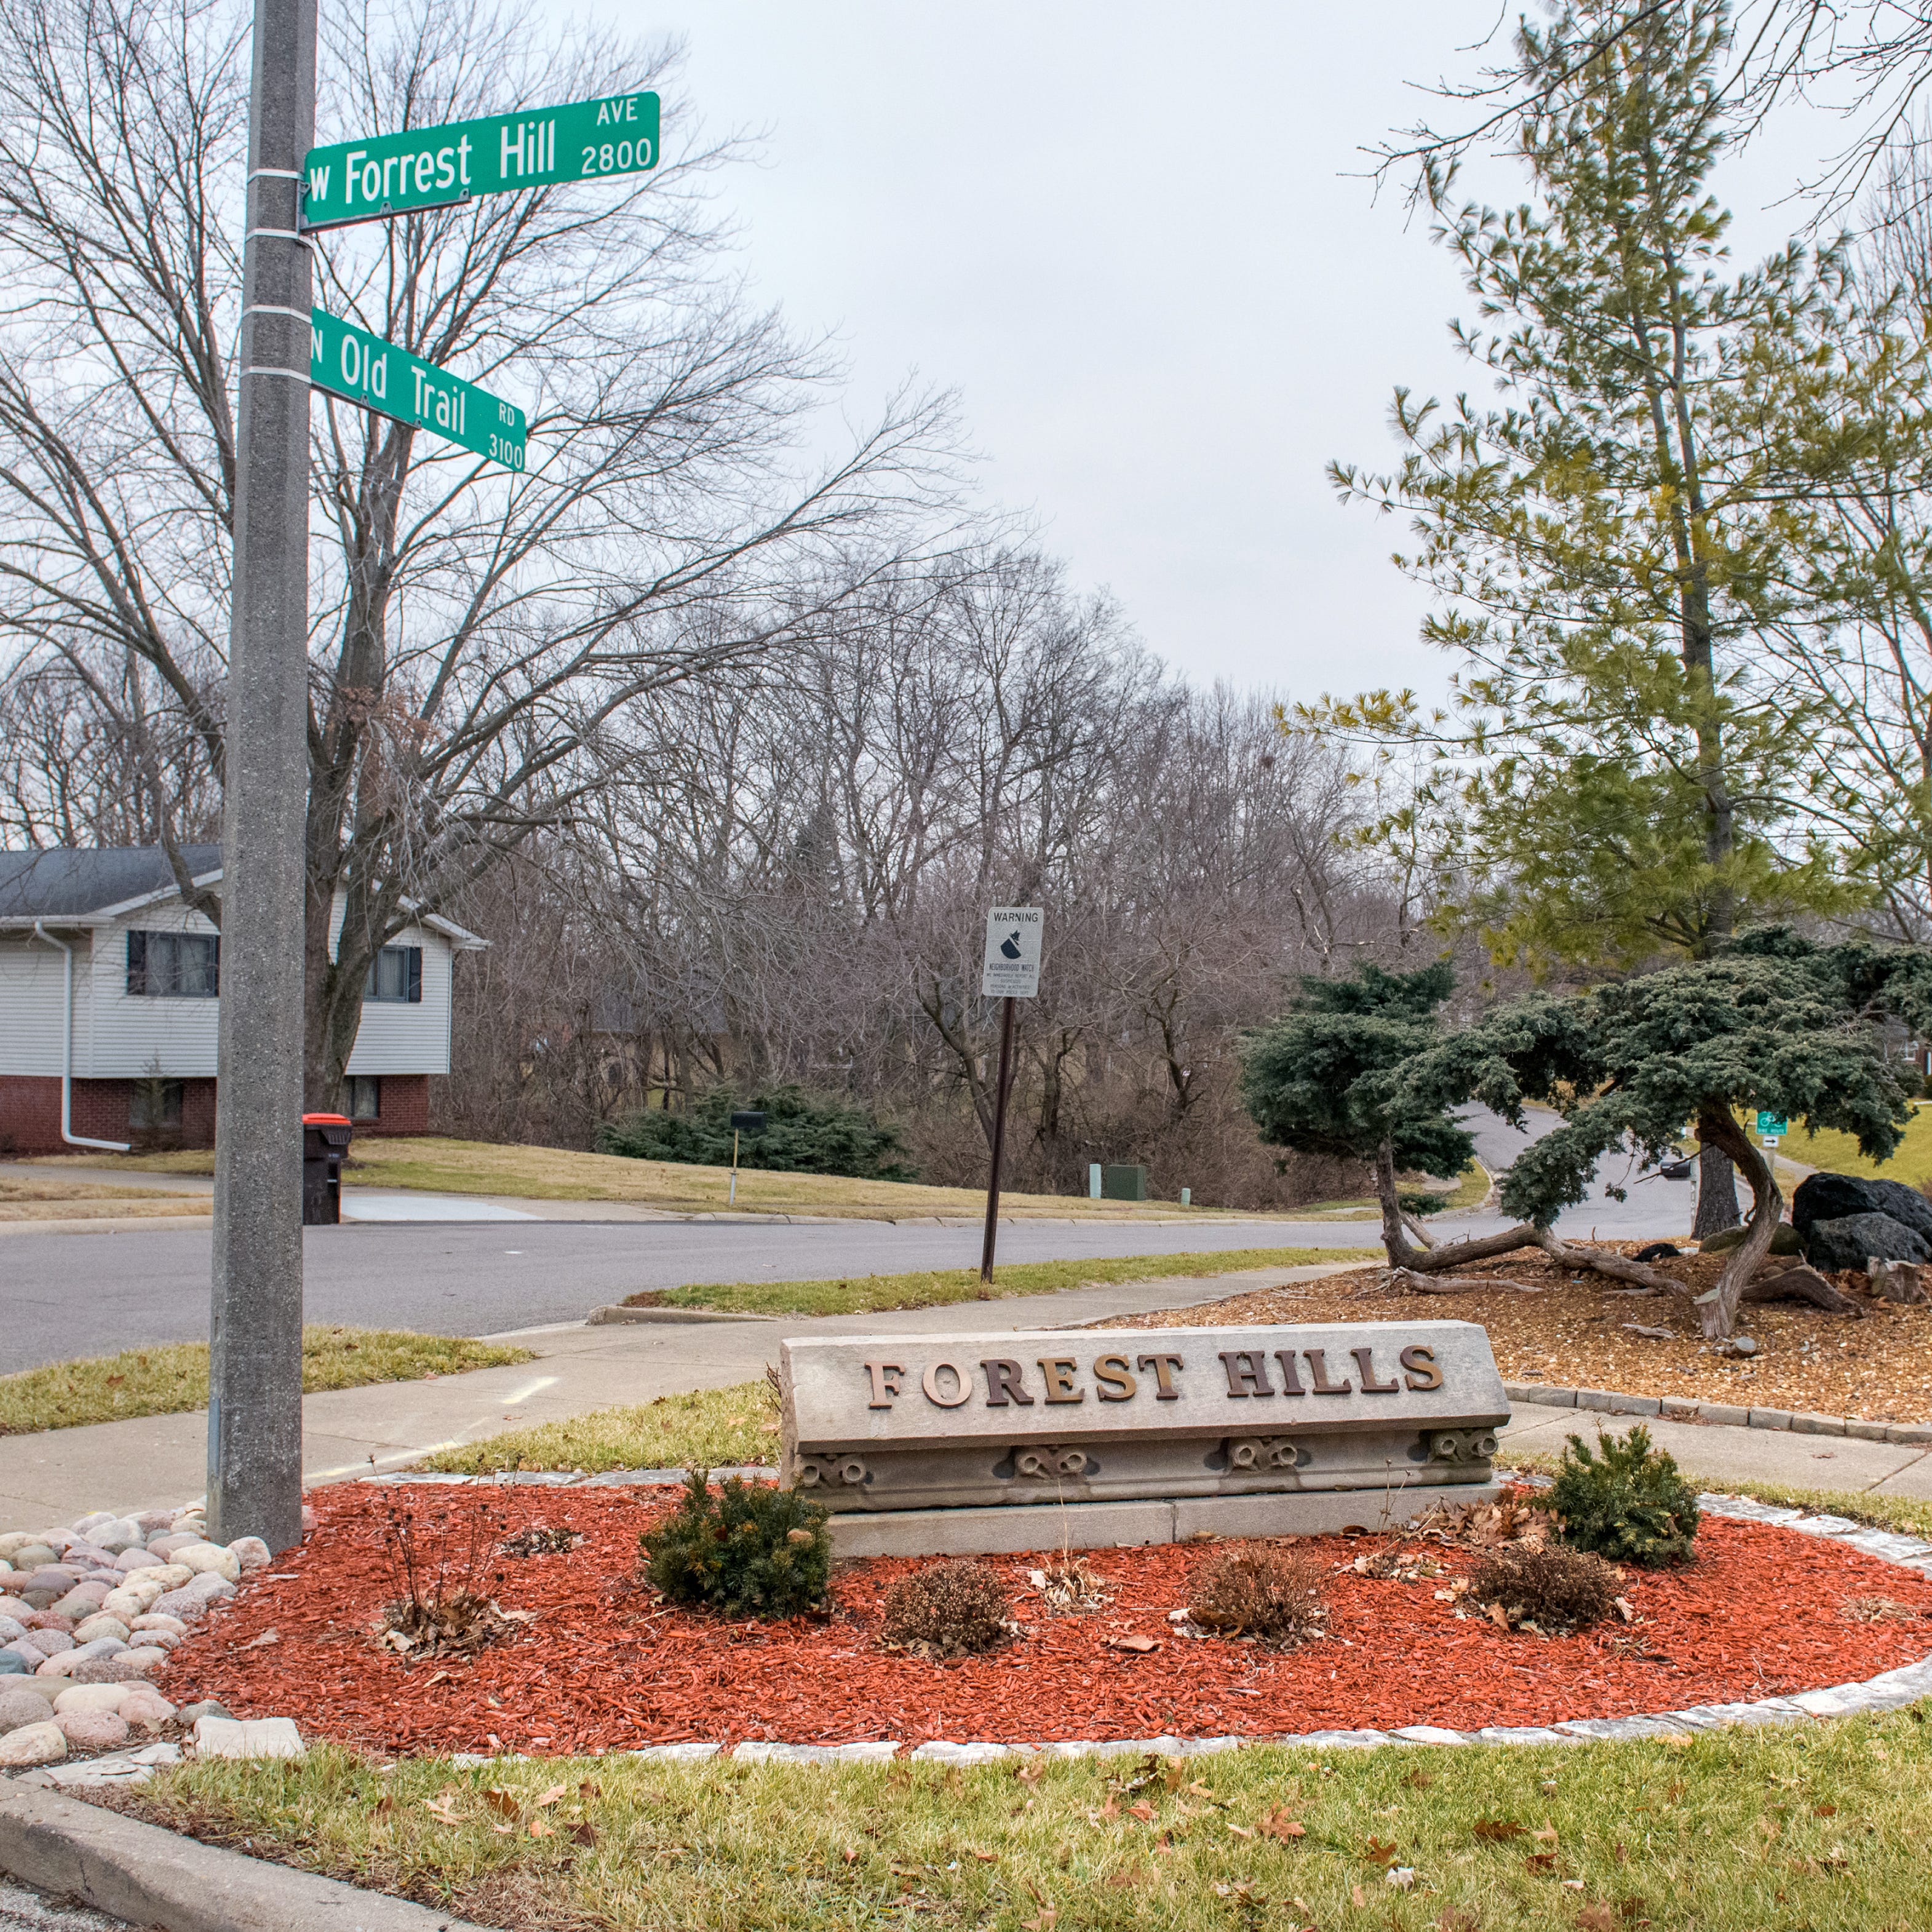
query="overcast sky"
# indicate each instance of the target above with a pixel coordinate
(1136, 239)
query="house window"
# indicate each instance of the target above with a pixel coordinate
(395, 973)
(174, 965)
(362, 1096)
(155, 1106)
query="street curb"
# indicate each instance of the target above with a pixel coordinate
(101, 1224)
(617, 1313)
(1681, 1408)
(152, 1876)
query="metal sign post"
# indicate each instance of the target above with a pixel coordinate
(1009, 971)
(254, 1395)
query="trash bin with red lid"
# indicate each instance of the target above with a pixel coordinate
(325, 1138)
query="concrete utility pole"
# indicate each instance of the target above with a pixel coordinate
(254, 1409)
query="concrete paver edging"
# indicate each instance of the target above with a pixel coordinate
(152, 1876)
(1684, 1408)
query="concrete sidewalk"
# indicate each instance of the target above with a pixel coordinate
(157, 1461)
(160, 1461)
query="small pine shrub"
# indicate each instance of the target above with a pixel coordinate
(956, 1609)
(1274, 1595)
(747, 1549)
(1557, 1590)
(1627, 1501)
(804, 1133)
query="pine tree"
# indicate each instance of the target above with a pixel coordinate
(1616, 777)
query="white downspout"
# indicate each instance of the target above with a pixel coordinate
(68, 1134)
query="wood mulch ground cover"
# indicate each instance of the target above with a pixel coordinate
(1876, 1367)
(600, 1665)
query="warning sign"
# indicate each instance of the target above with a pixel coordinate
(1011, 969)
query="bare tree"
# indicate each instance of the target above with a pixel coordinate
(475, 632)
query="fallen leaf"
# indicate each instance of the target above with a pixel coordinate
(1356, 1899)
(1377, 1853)
(438, 1808)
(1598, 1918)
(1419, 1780)
(1539, 1862)
(1111, 1809)
(988, 1857)
(1624, 1610)
(504, 1831)
(1495, 1830)
(1044, 1923)
(1139, 1645)
(1547, 1836)
(550, 1797)
(1277, 1824)
(1455, 1919)
(1824, 1811)
(1029, 1774)
(1241, 1831)
(539, 1829)
(267, 1637)
(1144, 1811)
(584, 1832)
(1497, 1615)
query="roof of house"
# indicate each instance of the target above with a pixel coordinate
(64, 882)
(83, 885)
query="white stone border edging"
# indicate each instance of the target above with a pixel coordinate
(1686, 1409)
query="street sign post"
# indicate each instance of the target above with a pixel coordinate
(1009, 971)
(385, 174)
(1772, 1123)
(350, 362)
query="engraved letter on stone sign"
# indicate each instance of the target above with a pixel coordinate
(885, 1382)
(962, 1379)
(1421, 1372)
(1163, 1367)
(1003, 1383)
(1247, 1372)
(1116, 1379)
(1365, 1361)
(1058, 1370)
(1317, 1374)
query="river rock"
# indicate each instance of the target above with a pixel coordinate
(48, 1642)
(182, 1605)
(141, 1657)
(162, 1547)
(155, 1621)
(20, 1707)
(119, 1536)
(98, 1519)
(93, 1730)
(121, 1668)
(211, 1558)
(12, 1663)
(12, 1541)
(43, 1743)
(209, 1588)
(48, 1620)
(82, 1601)
(146, 1707)
(91, 1697)
(90, 1628)
(10, 1628)
(1848, 1241)
(251, 1552)
(15, 1608)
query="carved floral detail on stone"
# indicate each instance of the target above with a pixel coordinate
(828, 1472)
(1265, 1452)
(1047, 1463)
(1461, 1445)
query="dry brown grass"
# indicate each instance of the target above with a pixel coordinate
(52, 1199)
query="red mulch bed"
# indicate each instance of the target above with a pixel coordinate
(1761, 1613)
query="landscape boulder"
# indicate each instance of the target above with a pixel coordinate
(1895, 1281)
(1851, 1239)
(1835, 1197)
(1784, 1240)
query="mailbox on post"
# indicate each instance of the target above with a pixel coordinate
(325, 1138)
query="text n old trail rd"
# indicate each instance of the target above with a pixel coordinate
(371, 371)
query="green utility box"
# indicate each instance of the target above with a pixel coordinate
(1123, 1183)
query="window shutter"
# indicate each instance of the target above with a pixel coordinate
(137, 962)
(415, 974)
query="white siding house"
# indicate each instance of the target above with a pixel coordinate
(143, 1011)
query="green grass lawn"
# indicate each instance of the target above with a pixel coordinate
(705, 1429)
(862, 1294)
(167, 1379)
(1822, 1826)
(1838, 1154)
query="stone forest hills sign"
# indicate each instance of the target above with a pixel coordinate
(945, 1442)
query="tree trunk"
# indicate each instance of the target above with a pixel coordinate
(1717, 1307)
(1436, 1260)
(1717, 1189)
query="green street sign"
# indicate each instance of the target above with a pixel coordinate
(1772, 1123)
(350, 362)
(432, 167)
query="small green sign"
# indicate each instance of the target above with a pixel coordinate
(432, 167)
(350, 362)
(1772, 1123)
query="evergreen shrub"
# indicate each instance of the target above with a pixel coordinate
(747, 1550)
(804, 1133)
(1627, 1501)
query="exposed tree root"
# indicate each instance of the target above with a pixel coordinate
(1411, 1281)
